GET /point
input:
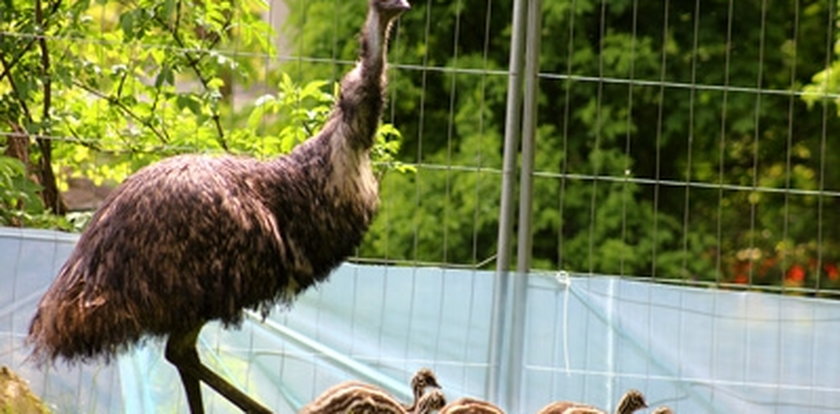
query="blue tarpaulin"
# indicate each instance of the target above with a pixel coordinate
(588, 338)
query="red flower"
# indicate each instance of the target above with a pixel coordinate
(796, 274)
(832, 271)
(766, 265)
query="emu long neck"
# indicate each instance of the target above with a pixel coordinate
(374, 46)
(363, 89)
(626, 406)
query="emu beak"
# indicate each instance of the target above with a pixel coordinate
(403, 5)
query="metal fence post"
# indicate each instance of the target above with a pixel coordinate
(507, 328)
(512, 132)
(524, 252)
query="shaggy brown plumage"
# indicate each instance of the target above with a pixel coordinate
(469, 405)
(560, 407)
(631, 401)
(424, 378)
(360, 398)
(353, 394)
(195, 238)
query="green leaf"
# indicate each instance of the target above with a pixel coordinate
(216, 83)
(127, 23)
(189, 102)
(166, 75)
(10, 167)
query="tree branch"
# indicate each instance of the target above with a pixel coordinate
(18, 141)
(17, 145)
(15, 89)
(194, 64)
(45, 63)
(51, 195)
(7, 69)
(122, 83)
(92, 144)
(7, 66)
(87, 144)
(177, 17)
(162, 135)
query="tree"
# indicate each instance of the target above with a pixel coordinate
(119, 85)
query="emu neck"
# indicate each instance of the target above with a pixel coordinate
(359, 107)
(625, 406)
(374, 45)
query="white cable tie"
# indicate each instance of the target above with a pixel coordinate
(562, 277)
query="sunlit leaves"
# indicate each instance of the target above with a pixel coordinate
(19, 200)
(138, 80)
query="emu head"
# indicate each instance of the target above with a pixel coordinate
(423, 378)
(390, 9)
(633, 400)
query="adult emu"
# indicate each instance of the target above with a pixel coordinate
(193, 239)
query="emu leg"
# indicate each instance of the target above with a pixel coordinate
(180, 348)
(181, 352)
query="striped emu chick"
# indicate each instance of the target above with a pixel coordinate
(630, 402)
(467, 405)
(432, 401)
(561, 407)
(353, 397)
(424, 378)
(194, 238)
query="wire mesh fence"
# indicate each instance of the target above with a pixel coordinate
(684, 135)
(676, 141)
(683, 142)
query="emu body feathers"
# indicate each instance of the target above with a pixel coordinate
(194, 238)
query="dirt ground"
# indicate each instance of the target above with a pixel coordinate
(16, 397)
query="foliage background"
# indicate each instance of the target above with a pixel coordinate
(637, 99)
